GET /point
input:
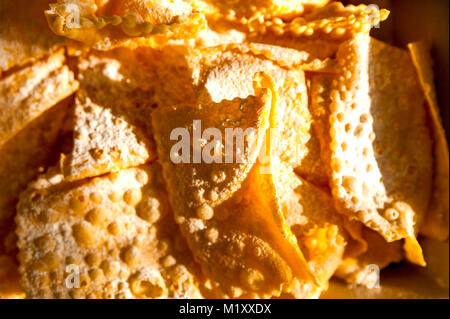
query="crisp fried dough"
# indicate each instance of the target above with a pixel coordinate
(116, 232)
(320, 97)
(381, 156)
(318, 34)
(132, 23)
(217, 205)
(435, 224)
(307, 149)
(112, 116)
(332, 22)
(21, 160)
(119, 91)
(311, 48)
(303, 58)
(228, 74)
(26, 94)
(310, 213)
(244, 10)
(24, 33)
(24, 156)
(172, 79)
(364, 269)
(155, 12)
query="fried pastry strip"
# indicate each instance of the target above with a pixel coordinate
(244, 10)
(21, 160)
(319, 33)
(24, 33)
(381, 157)
(310, 213)
(229, 211)
(27, 93)
(112, 110)
(107, 237)
(227, 74)
(131, 23)
(334, 22)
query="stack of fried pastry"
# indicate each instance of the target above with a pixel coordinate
(94, 203)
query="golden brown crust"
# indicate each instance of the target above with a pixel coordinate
(387, 189)
(240, 259)
(334, 21)
(112, 130)
(318, 227)
(227, 72)
(27, 93)
(242, 13)
(135, 23)
(21, 160)
(107, 237)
